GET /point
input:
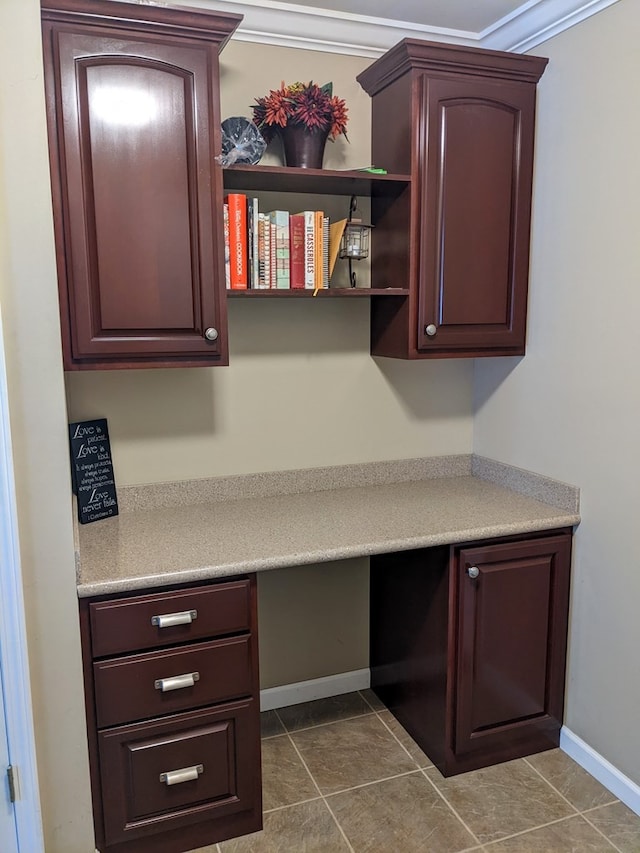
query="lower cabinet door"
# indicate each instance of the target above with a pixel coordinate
(173, 772)
(512, 624)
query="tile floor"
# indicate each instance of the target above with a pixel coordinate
(340, 775)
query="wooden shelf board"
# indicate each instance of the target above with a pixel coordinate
(324, 293)
(316, 181)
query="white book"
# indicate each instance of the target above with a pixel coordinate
(309, 249)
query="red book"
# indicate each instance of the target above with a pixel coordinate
(296, 243)
(238, 272)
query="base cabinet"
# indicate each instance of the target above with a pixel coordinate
(172, 697)
(468, 646)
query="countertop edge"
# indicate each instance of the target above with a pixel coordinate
(203, 573)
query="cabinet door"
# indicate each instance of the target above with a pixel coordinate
(171, 773)
(511, 643)
(474, 214)
(141, 229)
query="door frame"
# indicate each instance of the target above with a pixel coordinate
(14, 665)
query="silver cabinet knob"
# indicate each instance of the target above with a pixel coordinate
(211, 334)
(430, 330)
(473, 571)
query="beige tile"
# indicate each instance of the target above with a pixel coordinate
(270, 725)
(578, 786)
(619, 824)
(285, 779)
(370, 697)
(573, 835)
(421, 758)
(322, 711)
(351, 752)
(501, 800)
(405, 815)
(307, 828)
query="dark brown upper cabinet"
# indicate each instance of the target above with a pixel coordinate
(134, 126)
(461, 122)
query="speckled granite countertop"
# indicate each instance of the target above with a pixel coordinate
(180, 533)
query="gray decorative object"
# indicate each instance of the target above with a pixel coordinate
(242, 142)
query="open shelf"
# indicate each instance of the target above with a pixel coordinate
(324, 293)
(317, 181)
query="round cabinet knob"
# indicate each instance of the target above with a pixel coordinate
(211, 334)
(473, 571)
(430, 330)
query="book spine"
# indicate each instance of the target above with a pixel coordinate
(317, 268)
(261, 254)
(238, 240)
(325, 251)
(296, 248)
(272, 253)
(254, 271)
(227, 256)
(281, 220)
(309, 249)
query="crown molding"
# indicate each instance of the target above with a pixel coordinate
(292, 25)
(543, 20)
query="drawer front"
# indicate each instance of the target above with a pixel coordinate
(165, 682)
(167, 618)
(211, 757)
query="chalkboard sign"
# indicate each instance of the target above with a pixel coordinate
(92, 470)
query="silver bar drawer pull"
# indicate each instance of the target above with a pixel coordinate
(168, 620)
(186, 774)
(177, 682)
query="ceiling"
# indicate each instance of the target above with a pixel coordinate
(370, 27)
(466, 15)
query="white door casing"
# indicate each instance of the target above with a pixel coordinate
(20, 823)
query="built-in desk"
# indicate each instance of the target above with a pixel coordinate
(187, 532)
(470, 565)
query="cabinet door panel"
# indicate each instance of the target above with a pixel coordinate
(143, 263)
(511, 638)
(475, 213)
(222, 741)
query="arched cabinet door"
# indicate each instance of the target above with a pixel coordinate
(462, 121)
(134, 129)
(474, 213)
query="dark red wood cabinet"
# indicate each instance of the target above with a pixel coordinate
(173, 716)
(133, 113)
(461, 121)
(468, 646)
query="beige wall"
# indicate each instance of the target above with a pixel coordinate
(28, 295)
(302, 391)
(571, 407)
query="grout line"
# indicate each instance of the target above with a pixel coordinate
(366, 701)
(289, 805)
(451, 808)
(374, 782)
(329, 723)
(490, 844)
(597, 829)
(322, 797)
(601, 806)
(397, 739)
(551, 785)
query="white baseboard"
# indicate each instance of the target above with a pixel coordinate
(316, 688)
(613, 780)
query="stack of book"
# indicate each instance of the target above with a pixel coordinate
(278, 249)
